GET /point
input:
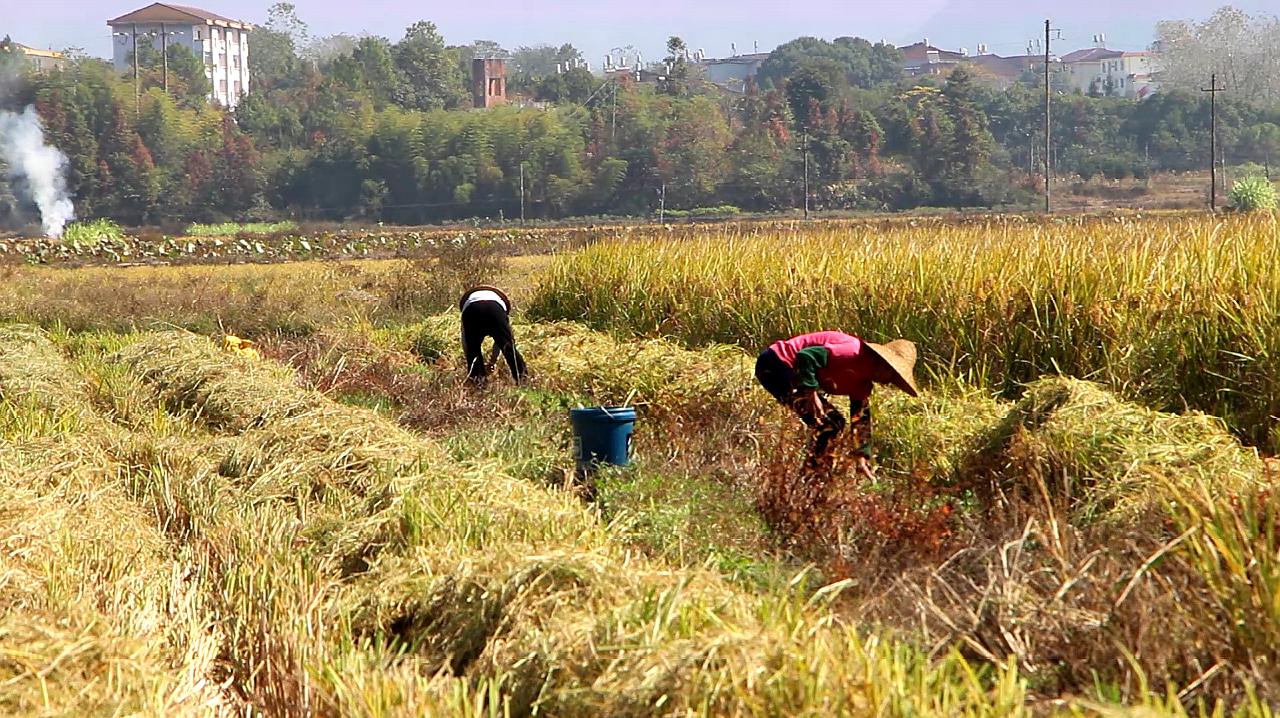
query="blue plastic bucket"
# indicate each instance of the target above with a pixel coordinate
(602, 435)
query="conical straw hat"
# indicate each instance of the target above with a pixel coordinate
(900, 355)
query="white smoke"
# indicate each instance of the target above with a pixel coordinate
(37, 168)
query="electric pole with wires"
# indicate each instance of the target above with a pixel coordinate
(1213, 91)
(1048, 106)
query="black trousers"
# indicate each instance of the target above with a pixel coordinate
(488, 319)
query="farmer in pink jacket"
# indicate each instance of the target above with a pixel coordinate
(794, 370)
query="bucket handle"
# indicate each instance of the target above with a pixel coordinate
(625, 404)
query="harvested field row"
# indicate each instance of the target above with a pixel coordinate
(1056, 503)
(359, 570)
(344, 586)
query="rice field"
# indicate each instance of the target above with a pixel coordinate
(1174, 311)
(340, 527)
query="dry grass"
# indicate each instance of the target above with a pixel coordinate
(1047, 530)
(344, 586)
(99, 617)
(293, 299)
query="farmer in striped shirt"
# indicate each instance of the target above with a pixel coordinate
(794, 370)
(486, 312)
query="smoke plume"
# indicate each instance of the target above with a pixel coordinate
(37, 170)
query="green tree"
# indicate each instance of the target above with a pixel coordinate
(971, 140)
(369, 69)
(811, 88)
(183, 74)
(575, 86)
(540, 61)
(1261, 143)
(857, 62)
(429, 77)
(677, 73)
(274, 60)
(691, 158)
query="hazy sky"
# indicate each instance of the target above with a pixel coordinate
(596, 26)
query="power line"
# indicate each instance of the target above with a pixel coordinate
(1213, 91)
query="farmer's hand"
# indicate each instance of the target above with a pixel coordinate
(816, 402)
(864, 467)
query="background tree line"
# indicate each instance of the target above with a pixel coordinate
(344, 127)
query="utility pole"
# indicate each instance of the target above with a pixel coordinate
(662, 203)
(1048, 133)
(164, 54)
(137, 93)
(806, 173)
(521, 193)
(1213, 91)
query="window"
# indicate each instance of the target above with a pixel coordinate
(236, 88)
(197, 35)
(222, 60)
(222, 85)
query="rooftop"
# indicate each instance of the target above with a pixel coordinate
(1093, 54)
(921, 51)
(737, 59)
(166, 12)
(1009, 67)
(29, 51)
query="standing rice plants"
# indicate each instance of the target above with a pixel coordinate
(1176, 312)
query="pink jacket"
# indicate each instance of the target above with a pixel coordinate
(848, 367)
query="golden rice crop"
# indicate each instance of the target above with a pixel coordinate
(1177, 312)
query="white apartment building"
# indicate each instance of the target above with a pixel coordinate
(221, 42)
(1128, 74)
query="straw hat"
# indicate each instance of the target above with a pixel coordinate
(900, 355)
(485, 287)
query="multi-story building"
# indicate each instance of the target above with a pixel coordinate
(733, 72)
(1004, 72)
(222, 43)
(39, 60)
(922, 59)
(1115, 72)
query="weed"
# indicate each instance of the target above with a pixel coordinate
(234, 229)
(90, 234)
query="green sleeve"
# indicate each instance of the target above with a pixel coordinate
(808, 362)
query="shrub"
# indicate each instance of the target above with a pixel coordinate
(91, 233)
(718, 211)
(231, 229)
(1252, 194)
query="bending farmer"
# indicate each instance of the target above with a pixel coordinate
(793, 370)
(486, 312)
